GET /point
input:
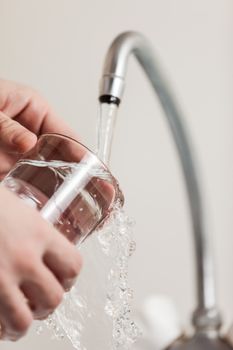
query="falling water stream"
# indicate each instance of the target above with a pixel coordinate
(105, 130)
(96, 313)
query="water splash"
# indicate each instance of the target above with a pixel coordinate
(97, 311)
(116, 240)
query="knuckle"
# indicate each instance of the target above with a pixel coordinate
(27, 262)
(38, 105)
(19, 133)
(21, 321)
(75, 265)
(71, 272)
(5, 123)
(9, 128)
(21, 93)
(55, 299)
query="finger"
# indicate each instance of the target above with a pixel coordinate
(16, 100)
(63, 259)
(40, 118)
(7, 161)
(32, 116)
(16, 317)
(43, 291)
(52, 123)
(13, 136)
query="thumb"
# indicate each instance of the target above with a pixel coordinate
(15, 137)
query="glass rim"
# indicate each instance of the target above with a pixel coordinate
(115, 183)
(69, 138)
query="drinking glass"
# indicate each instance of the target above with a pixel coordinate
(67, 183)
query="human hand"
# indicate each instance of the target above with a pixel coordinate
(24, 115)
(37, 264)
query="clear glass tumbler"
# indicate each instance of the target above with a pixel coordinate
(67, 183)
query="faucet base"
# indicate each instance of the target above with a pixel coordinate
(201, 342)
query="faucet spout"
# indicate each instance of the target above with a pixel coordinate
(206, 315)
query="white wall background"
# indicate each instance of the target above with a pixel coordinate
(58, 46)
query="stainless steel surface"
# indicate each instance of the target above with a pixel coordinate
(201, 342)
(112, 85)
(206, 315)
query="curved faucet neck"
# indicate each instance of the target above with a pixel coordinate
(206, 315)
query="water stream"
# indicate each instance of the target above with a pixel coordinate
(96, 313)
(105, 130)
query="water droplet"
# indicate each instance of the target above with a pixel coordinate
(131, 248)
(39, 330)
(130, 293)
(75, 224)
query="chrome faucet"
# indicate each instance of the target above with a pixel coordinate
(206, 318)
